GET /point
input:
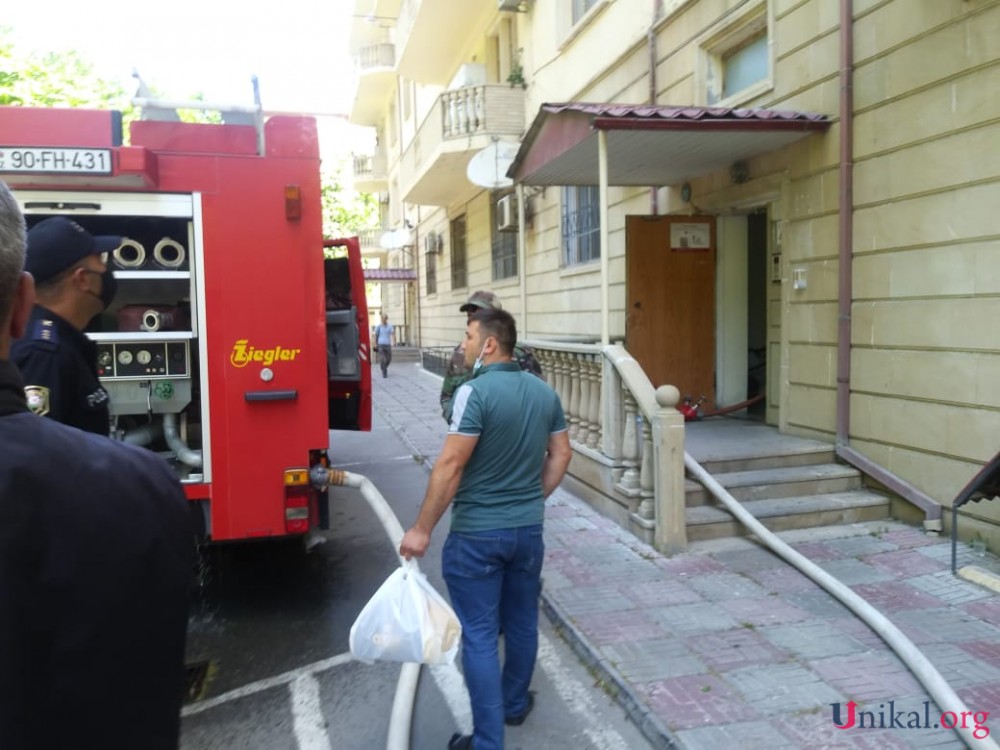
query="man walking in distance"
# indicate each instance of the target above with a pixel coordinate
(58, 362)
(385, 339)
(96, 563)
(507, 449)
(458, 371)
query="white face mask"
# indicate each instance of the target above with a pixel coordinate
(479, 360)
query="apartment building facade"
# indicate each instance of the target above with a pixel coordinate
(787, 198)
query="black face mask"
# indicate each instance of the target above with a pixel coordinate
(109, 286)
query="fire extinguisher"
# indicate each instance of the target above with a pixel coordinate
(689, 410)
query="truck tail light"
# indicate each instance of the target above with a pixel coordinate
(293, 202)
(297, 495)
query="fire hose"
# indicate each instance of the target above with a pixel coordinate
(692, 413)
(930, 678)
(401, 716)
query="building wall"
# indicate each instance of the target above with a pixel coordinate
(926, 348)
(925, 373)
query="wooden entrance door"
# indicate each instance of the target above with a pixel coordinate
(670, 301)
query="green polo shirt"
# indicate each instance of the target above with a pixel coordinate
(513, 413)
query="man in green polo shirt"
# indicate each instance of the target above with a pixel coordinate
(507, 449)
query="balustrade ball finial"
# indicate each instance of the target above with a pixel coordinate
(668, 396)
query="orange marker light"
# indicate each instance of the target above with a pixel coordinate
(293, 202)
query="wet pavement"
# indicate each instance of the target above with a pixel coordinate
(728, 646)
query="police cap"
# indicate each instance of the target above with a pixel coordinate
(57, 243)
(481, 299)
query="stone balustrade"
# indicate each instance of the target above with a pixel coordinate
(628, 437)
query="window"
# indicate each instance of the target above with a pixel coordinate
(459, 278)
(580, 8)
(431, 275)
(736, 59)
(744, 67)
(504, 245)
(581, 224)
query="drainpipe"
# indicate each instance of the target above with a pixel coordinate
(845, 285)
(602, 179)
(930, 507)
(654, 208)
(522, 257)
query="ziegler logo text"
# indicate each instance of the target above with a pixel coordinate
(243, 354)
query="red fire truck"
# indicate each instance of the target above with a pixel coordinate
(239, 337)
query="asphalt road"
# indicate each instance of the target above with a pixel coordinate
(274, 621)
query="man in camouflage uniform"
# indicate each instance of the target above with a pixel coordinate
(458, 372)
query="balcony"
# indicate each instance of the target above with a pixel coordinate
(370, 242)
(432, 34)
(462, 122)
(370, 173)
(375, 73)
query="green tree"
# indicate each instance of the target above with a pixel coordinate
(55, 79)
(346, 212)
(68, 79)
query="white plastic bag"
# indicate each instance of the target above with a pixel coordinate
(406, 620)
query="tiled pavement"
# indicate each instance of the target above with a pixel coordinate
(727, 646)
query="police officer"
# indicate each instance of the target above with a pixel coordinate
(96, 561)
(459, 372)
(58, 362)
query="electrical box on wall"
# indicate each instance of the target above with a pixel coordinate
(775, 267)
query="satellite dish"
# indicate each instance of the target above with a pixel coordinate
(489, 167)
(394, 239)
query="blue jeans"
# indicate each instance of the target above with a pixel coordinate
(494, 579)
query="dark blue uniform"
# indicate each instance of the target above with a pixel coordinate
(59, 366)
(96, 564)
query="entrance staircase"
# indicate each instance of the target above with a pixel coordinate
(786, 482)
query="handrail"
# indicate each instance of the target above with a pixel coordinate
(634, 377)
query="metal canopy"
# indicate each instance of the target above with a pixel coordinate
(390, 274)
(650, 145)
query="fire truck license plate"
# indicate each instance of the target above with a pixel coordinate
(59, 160)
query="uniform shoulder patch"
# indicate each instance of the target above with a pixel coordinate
(38, 399)
(46, 332)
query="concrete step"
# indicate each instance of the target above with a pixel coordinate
(405, 354)
(784, 513)
(789, 481)
(772, 460)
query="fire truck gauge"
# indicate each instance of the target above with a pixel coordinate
(143, 357)
(125, 357)
(105, 359)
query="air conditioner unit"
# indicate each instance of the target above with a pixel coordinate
(507, 213)
(513, 6)
(433, 243)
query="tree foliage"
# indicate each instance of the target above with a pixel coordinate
(55, 79)
(68, 79)
(346, 212)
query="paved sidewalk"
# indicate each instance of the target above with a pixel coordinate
(727, 646)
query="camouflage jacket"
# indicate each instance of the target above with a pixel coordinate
(458, 373)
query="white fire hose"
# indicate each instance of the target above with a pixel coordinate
(129, 254)
(169, 254)
(401, 717)
(930, 678)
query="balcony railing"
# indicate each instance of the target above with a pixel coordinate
(376, 56)
(627, 434)
(459, 116)
(369, 239)
(369, 168)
